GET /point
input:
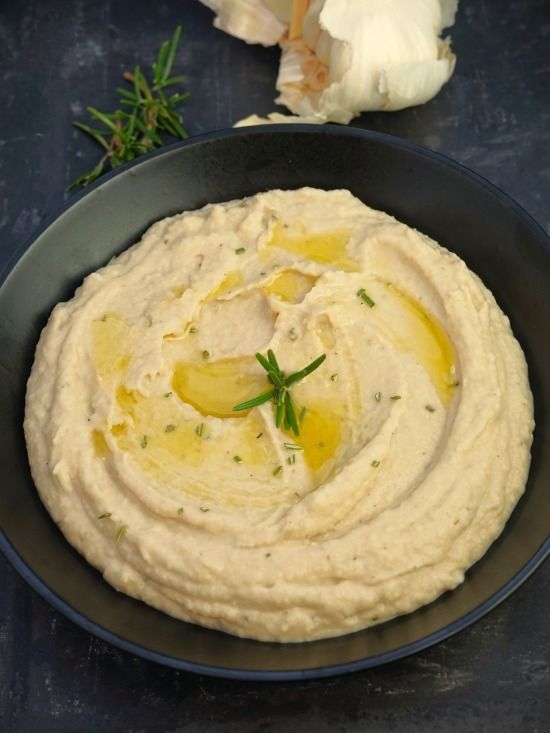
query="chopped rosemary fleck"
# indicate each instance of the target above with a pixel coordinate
(430, 408)
(237, 459)
(334, 377)
(277, 470)
(169, 428)
(292, 335)
(204, 509)
(180, 510)
(378, 396)
(167, 394)
(291, 459)
(268, 554)
(362, 293)
(121, 531)
(292, 446)
(285, 415)
(193, 329)
(240, 250)
(259, 435)
(200, 429)
(395, 397)
(144, 441)
(375, 464)
(205, 354)
(105, 515)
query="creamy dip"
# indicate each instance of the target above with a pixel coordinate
(414, 433)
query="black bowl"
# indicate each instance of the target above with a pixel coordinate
(427, 191)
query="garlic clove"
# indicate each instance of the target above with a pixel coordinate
(283, 9)
(253, 21)
(277, 117)
(449, 9)
(411, 84)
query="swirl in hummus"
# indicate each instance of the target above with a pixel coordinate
(414, 433)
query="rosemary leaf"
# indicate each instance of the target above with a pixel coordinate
(130, 96)
(297, 376)
(176, 79)
(255, 401)
(171, 48)
(365, 297)
(279, 411)
(273, 360)
(107, 120)
(291, 417)
(96, 134)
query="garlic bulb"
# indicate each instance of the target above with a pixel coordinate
(342, 57)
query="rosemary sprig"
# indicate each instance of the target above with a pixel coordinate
(128, 133)
(280, 394)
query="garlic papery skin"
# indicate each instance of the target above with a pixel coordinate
(253, 21)
(277, 117)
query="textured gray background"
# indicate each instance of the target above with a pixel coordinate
(494, 116)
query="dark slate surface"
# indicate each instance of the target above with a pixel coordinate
(494, 116)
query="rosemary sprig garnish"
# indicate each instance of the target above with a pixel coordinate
(127, 134)
(280, 394)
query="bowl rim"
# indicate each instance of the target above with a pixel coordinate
(273, 675)
(19, 252)
(37, 584)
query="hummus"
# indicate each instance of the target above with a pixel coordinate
(414, 433)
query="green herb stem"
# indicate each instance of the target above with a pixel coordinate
(147, 111)
(285, 415)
